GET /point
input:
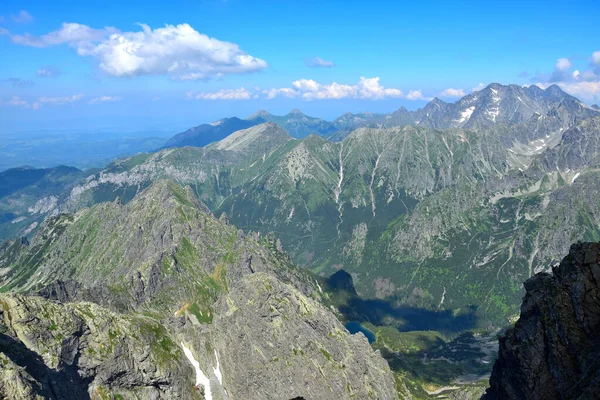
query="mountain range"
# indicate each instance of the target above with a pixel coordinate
(510, 105)
(430, 219)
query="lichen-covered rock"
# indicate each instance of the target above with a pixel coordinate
(553, 352)
(82, 350)
(153, 299)
(275, 343)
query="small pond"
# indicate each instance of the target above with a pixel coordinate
(355, 327)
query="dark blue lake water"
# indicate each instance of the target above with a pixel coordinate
(354, 327)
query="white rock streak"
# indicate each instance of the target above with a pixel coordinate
(201, 379)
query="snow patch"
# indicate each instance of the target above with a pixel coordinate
(466, 114)
(201, 379)
(217, 370)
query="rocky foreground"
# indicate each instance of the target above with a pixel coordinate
(158, 299)
(553, 352)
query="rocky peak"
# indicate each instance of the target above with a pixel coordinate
(257, 139)
(555, 90)
(260, 114)
(553, 351)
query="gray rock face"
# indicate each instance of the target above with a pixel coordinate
(281, 345)
(553, 352)
(158, 299)
(81, 351)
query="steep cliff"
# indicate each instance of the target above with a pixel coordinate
(553, 351)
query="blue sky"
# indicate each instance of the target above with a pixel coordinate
(91, 65)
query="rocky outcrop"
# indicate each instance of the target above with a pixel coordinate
(279, 344)
(82, 351)
(158, 299)
(553, 351)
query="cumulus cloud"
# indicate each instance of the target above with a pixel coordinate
(178, 51)
(223, 94)
(585, 90)
(309, 89)
(285, 92)
(23, 17)
(318, 62)
(415, 95)
(48, 72)
(450, 92)
(563, 64)
(366, 88)
(103, 99)
(581, 83)
(19, 83)
(77, 35)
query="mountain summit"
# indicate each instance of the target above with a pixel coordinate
(204, 134)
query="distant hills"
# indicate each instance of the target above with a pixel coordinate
(297, 124)
(204, 134)
(494, 105)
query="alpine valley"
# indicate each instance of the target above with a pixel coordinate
(376, 256)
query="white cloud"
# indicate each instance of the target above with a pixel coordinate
(286, 92)
(596, 57)
(61, 100)
(415, 95)
(450, 92)
(309, 89)
(156, 98)
(369, 88)
(223, 94)
(586, 90)
(318, 62)
(18, 102)
(366, 88)
(583, 84)
(23, 17)
(103, 99)
(563, 64)
(76, 35)
(177, 51)
(48, 72)
(478, 87)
